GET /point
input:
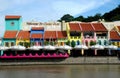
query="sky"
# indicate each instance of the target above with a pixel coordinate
(52, 10)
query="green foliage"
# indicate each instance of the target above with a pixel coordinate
(73, 43)
(46, 42)
(68, 43)
(26, 44)
(51, 43)
(92, 43)
(21, 43)
(79, 18)
(67, 18)
(32, 43)
(110, 16)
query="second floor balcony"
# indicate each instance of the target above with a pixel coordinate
(75, 37)
(102, 37)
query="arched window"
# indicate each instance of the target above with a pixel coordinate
(7, 44)
(105, 42)
(12, 43)
(78, 42)
(86, 42)
(99, 42)
(73, 43)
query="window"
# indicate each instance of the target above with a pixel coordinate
(7, 44)
(12, 23)
(99, 42)
(86, 42)
(105, 42)
(113, 43)
(117, 43)
(78, 42)
(12, 43)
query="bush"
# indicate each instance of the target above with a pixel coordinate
(68, 43)
(92, 43)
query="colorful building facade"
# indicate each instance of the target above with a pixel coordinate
(13, 23)
(76, 33)
(36, 35)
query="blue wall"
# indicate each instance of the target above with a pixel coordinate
(37, 39)
(8, 40)
(16, 26)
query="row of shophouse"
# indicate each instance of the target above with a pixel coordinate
(75, 32)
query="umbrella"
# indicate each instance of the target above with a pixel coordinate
(97, 46)
(111, 47)
(65, 47)
(49, 47)
(18, 47)
(61, 51)
(60, 47)
(80, 47)
(35, 47)
(4, 48)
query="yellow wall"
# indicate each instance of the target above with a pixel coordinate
(116, 43)
(72, 38)
(18, 41)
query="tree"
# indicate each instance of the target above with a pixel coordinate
(97, 17)
(80, 18)
(112, 15)
(67, 18)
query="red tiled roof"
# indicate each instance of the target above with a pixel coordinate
(36, 36)
(99, 27)
(118, 28)
(61, 34)
(114, 35)
(23, 35)
(10, 34)
(86, 27)
(37, 28)
(50, 34)
(12, 17)
(74, 27)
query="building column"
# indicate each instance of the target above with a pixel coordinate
(109, 51)
(1, 53)
(69, 52)
(82, 52)
(95, 52)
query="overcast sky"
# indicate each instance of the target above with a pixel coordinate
(47, 10)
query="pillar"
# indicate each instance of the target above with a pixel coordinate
(109, 51)
(95, 51)
(1, 53)
(69, 52)
(82, 52)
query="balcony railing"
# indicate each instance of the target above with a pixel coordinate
(88, 37)
(101, 37)
(75, 37)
